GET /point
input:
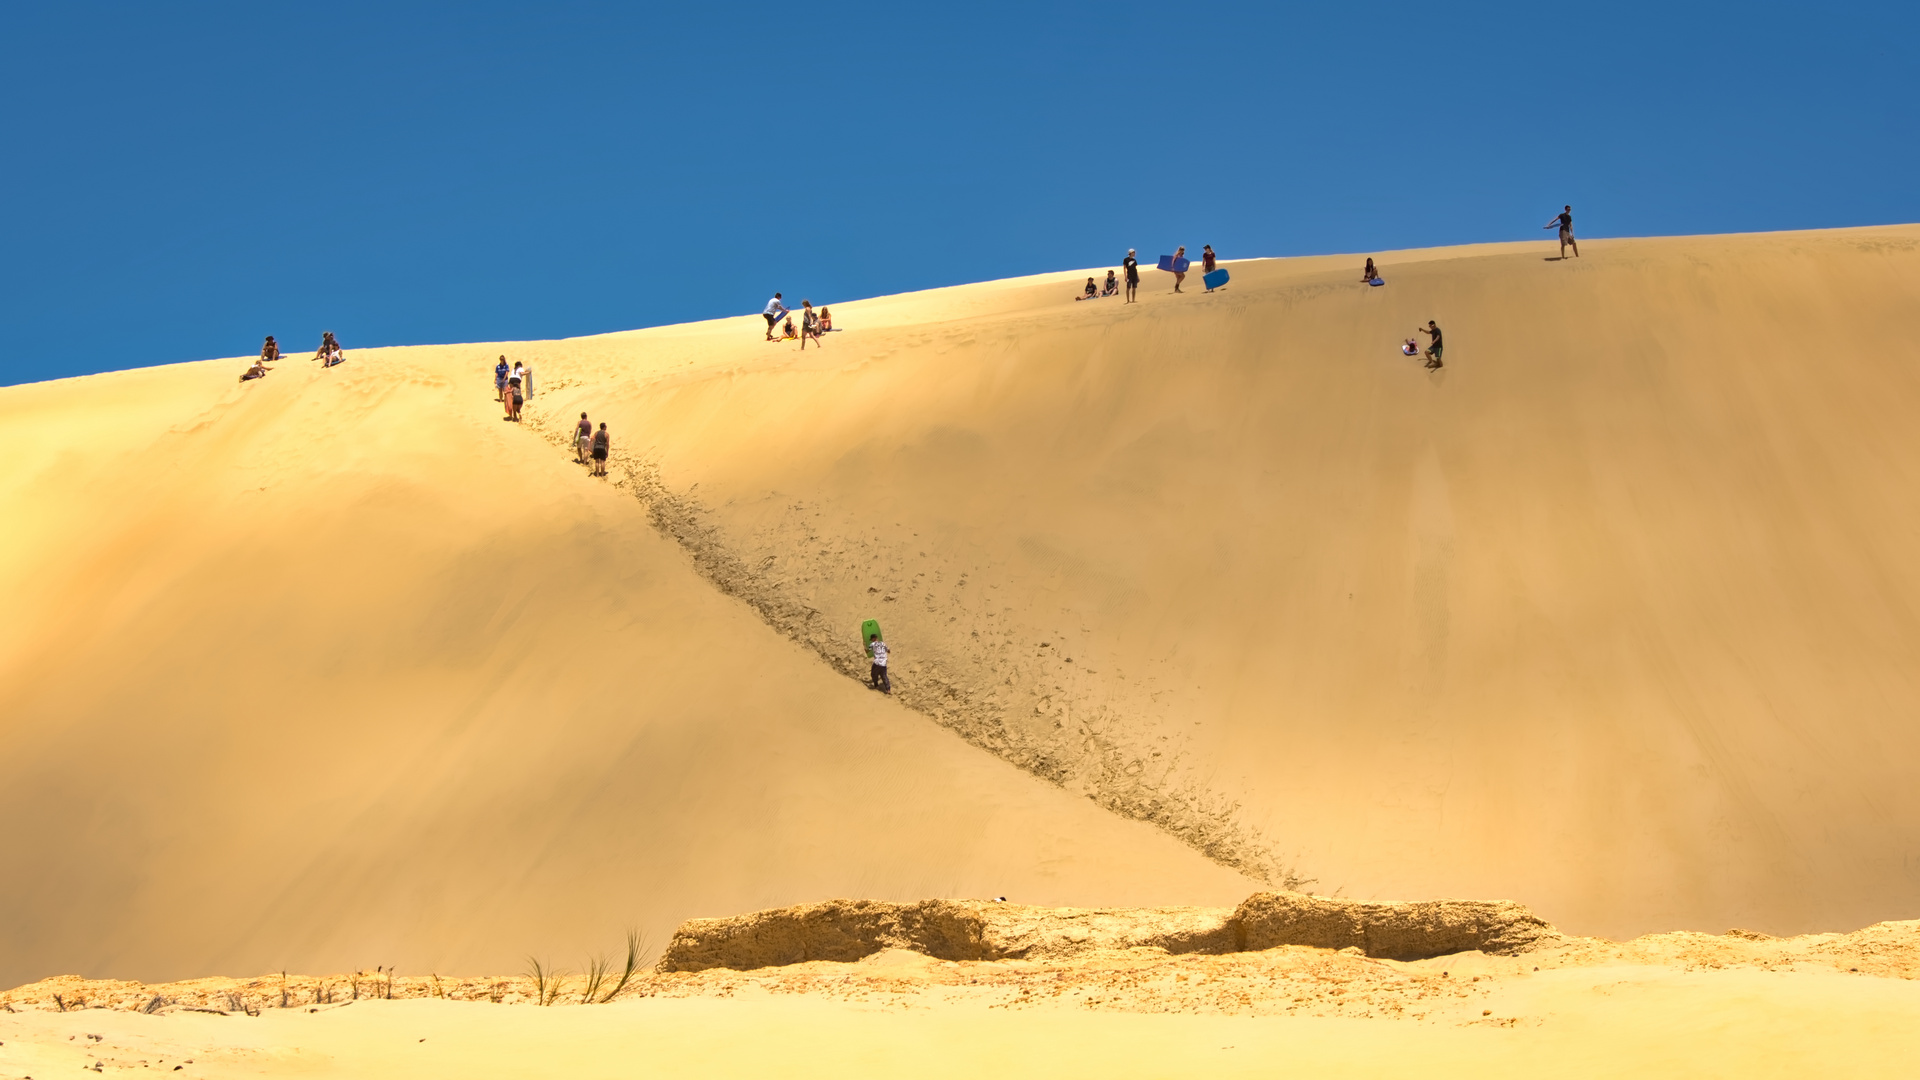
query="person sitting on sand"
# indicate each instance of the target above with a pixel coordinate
(877, 676)
(1090, 292)
(270, 351)
(1112, 287)
(787, 333)
(500, 373)
(1369, 273)
(1432, 330)
(257, 371)
(602, 445)
(329, 353)
(826, 321)
(582, 439)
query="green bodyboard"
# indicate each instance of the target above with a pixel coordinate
(870, 628)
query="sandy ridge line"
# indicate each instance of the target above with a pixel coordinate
(1091, 758)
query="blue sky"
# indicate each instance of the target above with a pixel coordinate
(183, 179)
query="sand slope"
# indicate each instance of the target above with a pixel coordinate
(1615, 616)
(339, 669)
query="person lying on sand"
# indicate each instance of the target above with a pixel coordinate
(877, 649)
(826, 321)
(582, 439)
(1112, 287)
(270, 351)
(257, 371)
(1092, 291)
(602, 445)
(1369, 273)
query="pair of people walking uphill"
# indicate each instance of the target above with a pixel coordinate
(588, 443)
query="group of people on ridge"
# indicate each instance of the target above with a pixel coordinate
(328, 354)
(1130, 267)
(513, 385)
(813, 323)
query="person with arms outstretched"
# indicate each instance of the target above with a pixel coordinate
(1564, 219)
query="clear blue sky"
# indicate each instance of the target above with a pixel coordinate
(181, 179)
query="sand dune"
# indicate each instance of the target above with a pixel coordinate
(1613, 616)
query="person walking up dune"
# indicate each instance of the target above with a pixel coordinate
(1132, 267)
(1432, 330)
(582, 439)
(602, 446)
(1564, 219)
(500, 373)
(877, 677)
(775, 309)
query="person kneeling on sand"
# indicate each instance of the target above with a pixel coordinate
(1092, 290)
(582, 439)
(877, 649)
(602, 444)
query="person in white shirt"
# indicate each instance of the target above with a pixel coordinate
(878, 676)
(775, 310)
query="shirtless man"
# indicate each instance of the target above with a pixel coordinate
(1564, 219)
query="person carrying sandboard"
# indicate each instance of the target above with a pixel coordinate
(877, 653)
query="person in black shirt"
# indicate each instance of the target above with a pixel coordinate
(1132, 266)
(1565, 220)
(1369, 273)
(1432, 330)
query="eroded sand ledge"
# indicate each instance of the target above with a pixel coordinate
(976, 930)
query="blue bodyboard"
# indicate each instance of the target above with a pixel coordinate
(1180, 266)
(1216, 279)
(1378, 281)
(1166, 263)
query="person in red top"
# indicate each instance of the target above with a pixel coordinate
(1207, 262)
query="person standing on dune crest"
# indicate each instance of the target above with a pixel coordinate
(877, 649)
(1565, 220)
(1132, 267)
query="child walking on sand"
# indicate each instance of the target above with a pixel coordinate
(877, 649)
(582, 439)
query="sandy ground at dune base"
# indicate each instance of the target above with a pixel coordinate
(1677, 1004)
(1610, 1020)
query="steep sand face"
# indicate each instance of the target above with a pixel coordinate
(1615, 615)
(339, 669)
